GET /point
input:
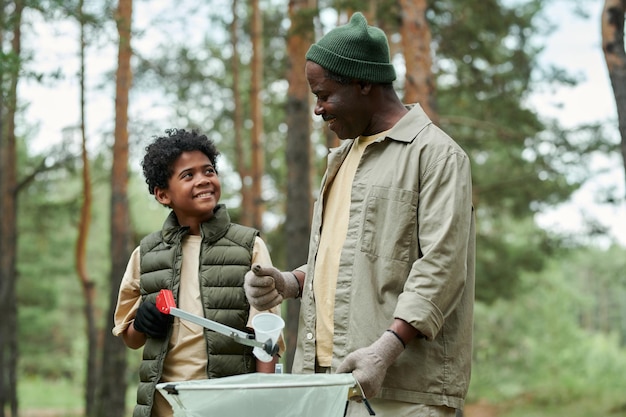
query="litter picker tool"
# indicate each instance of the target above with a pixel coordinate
(165, 304)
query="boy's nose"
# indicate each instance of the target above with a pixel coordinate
(203, 180)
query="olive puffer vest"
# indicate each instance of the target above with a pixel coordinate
(225, 257)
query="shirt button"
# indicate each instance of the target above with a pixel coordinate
(309, 336)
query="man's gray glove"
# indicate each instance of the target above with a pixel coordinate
(369, 364)
(267, 287)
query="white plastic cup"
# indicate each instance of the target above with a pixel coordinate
(266, 326)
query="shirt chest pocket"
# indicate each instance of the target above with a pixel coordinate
(389, 223)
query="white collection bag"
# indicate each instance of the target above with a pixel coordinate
(260, 395)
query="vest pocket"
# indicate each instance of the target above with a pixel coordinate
(389, 222)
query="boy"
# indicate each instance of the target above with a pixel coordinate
(202, 257)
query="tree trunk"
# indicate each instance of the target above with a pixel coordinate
(416, 39)
(4, 276)
(113, 383)
(298, 154)
(258, 151)
(81, 243)
(241, 162)
(615, 57)
(8, 227)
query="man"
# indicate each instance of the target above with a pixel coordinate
(388, 290)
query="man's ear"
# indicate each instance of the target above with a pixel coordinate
(365, 87)
(162, 196)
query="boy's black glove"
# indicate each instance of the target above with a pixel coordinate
(151, 321)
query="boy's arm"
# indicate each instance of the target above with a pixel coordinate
(128, 301)
(133, 338)
(266, 367)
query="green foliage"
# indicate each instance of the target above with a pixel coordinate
(534, 347)
(601, 276)
(486, 65)
(45, 268)
(50, 298)
(58, 397)
(611, 404)
(505, 244)
(147, 215)
(35, 392)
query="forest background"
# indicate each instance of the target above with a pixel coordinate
(550, 325)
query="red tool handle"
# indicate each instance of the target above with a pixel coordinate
(165, 301)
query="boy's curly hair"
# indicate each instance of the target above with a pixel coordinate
(164, 151)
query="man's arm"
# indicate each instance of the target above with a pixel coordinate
(404, 331)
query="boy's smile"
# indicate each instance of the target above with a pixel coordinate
(193, 190)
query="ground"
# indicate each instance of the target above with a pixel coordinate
(480, 409)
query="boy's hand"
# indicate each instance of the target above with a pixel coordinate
(151, 321)
(267, 287)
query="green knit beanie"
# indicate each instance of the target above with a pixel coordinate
(355, 50)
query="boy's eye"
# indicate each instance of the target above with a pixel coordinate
(210, 170)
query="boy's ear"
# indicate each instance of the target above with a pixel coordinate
(162, 196)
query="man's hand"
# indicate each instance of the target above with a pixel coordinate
(151, 321)
(369, 364)
(267, 287)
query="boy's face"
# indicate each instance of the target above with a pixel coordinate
(193, 189)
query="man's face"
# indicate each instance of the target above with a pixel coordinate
(193, 189)
(342, 106)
